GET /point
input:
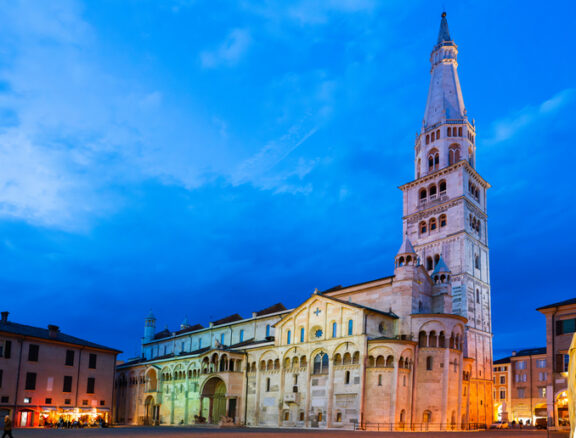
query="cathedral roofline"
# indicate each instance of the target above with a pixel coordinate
(180, 333)
(352, 287)
(319, 295)
(360, 306)
(445, 170)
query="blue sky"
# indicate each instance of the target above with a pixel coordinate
(201, 158)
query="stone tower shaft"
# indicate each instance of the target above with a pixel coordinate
(445, 215)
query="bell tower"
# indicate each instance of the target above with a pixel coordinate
(445, 218)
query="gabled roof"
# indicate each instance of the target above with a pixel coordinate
(339, 287)
(226, 320)
(191, 328)
(278, 307)
(559, 304)
(440, 267)
(163, 334)
(42, 333)
(406, 247)
(360, 306)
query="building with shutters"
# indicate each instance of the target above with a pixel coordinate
(409, 350)
(46, 375)
(520, 386)
(560, 328)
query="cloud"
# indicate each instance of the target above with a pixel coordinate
(257, 169)
(309, 12)
(229, 52)
(505, 129)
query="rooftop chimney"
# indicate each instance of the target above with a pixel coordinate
(513, 353)
(5, 316)
(53, 330)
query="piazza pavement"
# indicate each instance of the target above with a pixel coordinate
(214, 432)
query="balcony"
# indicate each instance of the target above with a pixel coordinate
(292, 397)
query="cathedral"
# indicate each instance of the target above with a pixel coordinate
(411, 350)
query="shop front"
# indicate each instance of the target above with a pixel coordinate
(562, 409)
(51, 416)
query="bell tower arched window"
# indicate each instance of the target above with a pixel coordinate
(423, 227)
(433, 160)
(442, 220)
(442, 186)
(454, 154)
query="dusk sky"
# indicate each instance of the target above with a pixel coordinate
(202, 158)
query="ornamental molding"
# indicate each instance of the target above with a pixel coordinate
(437, 210)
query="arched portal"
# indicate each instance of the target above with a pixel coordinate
(215, 391)
(151, 411)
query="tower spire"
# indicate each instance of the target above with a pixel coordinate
(444, 34)
(445, 99)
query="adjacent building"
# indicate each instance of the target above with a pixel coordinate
(46, 374)
(560, 328)
(412, 348)
(526, 372)
(502, 389)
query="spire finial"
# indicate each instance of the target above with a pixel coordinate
(444, 34)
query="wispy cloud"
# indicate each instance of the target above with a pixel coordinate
(229, 52)
(306, 12)
(505, 129)
(256, 168)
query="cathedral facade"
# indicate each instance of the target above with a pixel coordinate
(414, 348)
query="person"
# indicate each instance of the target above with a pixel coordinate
(7, 427)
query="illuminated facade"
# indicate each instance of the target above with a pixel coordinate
(46, 375)
(521, 379)
(560, 328)
(413, 348)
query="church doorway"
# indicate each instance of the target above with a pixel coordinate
(215, 391)
(151, 411)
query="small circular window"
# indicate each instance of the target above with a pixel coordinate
(318, 333)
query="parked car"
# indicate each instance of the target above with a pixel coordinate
(541, 423)
(499, 425)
